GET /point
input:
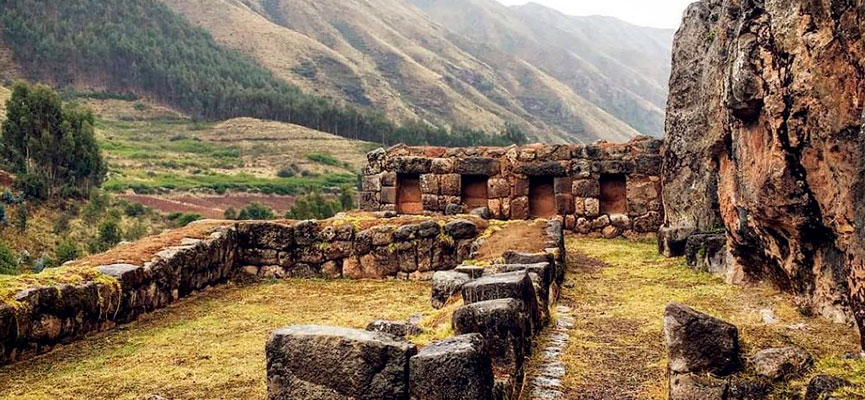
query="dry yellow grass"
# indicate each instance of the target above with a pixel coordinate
(621, 289)
(208, 347)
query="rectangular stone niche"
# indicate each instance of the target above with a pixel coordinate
(408, 195)
(542, 197)
(474, 191)
(614, 194)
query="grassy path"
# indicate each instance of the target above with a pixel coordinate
(618, 290)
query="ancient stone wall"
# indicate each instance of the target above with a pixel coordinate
(764, 134)
(601, 188)
(133, 279)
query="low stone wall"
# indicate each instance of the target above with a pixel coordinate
(506, 307)
(137, 278)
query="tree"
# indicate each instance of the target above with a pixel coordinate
(346, 199)
(21, 216)
(313, 206)
(230, 213)
(109, 236)
(256, 211)
(50, 146)
(8, 261)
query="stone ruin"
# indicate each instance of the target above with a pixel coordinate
(604, 188)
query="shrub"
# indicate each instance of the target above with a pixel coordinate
(256, 211)
(346, 199)
(287, 172)
(3, 221)
(95, 208)
(66, 251)
(41, 263)
(9, 198)
(134, 209)
(8, 262)
(137, 231)
(230, 213)
(186, 219)
(313, 206)
(32, 186)
(109, 236)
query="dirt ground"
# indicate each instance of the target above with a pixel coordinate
(528, 236)
(210, 206)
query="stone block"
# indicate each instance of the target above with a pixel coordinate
(600, 222)
(505, 325)
(369, 201)
(584, 226)
(698, 343)
(477, 166)
(586, 188)
(458, 368)
(648, 164)
(431, 202)
(565, 204)
(498, 188)
(563, 185)
(388, 195)
(461, 229)
(616, 167)
(411, 165)
(371, 183)
(450, 184)
(472, 271)
(446, 284)
(324, 363)
(428, 229)
(442, 166)
(395, 328)
(547, 168)
(515, 285)
(520, 187)
(519, 207)
(781, 363)
(671, 239)
(429, 184)
(649, 223)
(593, 207)
(708, 253)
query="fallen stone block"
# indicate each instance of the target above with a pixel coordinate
(445, 284)
(472, 271)
(395, 328)
(323, 363)
(458, 368)
(542, 279)
(708, 253)
(698, 343)
(505, 325)
(821, 387)
(515, 285)
(781, 363)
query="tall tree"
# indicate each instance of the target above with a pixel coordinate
(50, 146)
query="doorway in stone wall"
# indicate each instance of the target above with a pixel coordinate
(408, 194)
(614, 194)
(542, 197)
(474, 191)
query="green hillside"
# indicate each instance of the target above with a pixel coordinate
(142, 47)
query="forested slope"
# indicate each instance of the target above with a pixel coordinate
(142, 47)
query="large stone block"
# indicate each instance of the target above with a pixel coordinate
(411, 165)
(461, 229)
(698, 343)
(388, 195)
(429, 184)
(498, 188)
(505, 325)
(515, 285)
(325, 363)
(371, 183)
(458, 368)
(519, 207)
(549, 168)
(477, 166)
(586, 188)
(450, 184)
(442, 166)
(708, 253)
(446, 284)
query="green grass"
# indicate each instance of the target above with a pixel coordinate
(616, 348)
(144, 183)
(210, 347)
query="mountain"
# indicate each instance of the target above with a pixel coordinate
(620, 67)
(407, 61)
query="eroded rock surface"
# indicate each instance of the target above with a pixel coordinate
(765, 136)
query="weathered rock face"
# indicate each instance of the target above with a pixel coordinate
(765, 134)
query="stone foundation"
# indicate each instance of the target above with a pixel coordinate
(607, 189)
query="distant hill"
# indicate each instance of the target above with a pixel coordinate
(456, 63)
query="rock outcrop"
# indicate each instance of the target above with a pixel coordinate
(765, 135)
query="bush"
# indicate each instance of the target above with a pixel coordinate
(66, 251)
(41, 263)
(96, 207)
(346, 199)
(137, 231)
(32, 187)
(256, 211)
(3, 221)
(109, 236)
(186, 219)
(313, 206)
(230, 213)
(9, 198)
(134, 209)
(8, 262)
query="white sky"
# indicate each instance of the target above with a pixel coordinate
(654, 13)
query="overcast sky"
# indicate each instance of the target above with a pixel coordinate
(654, 13)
